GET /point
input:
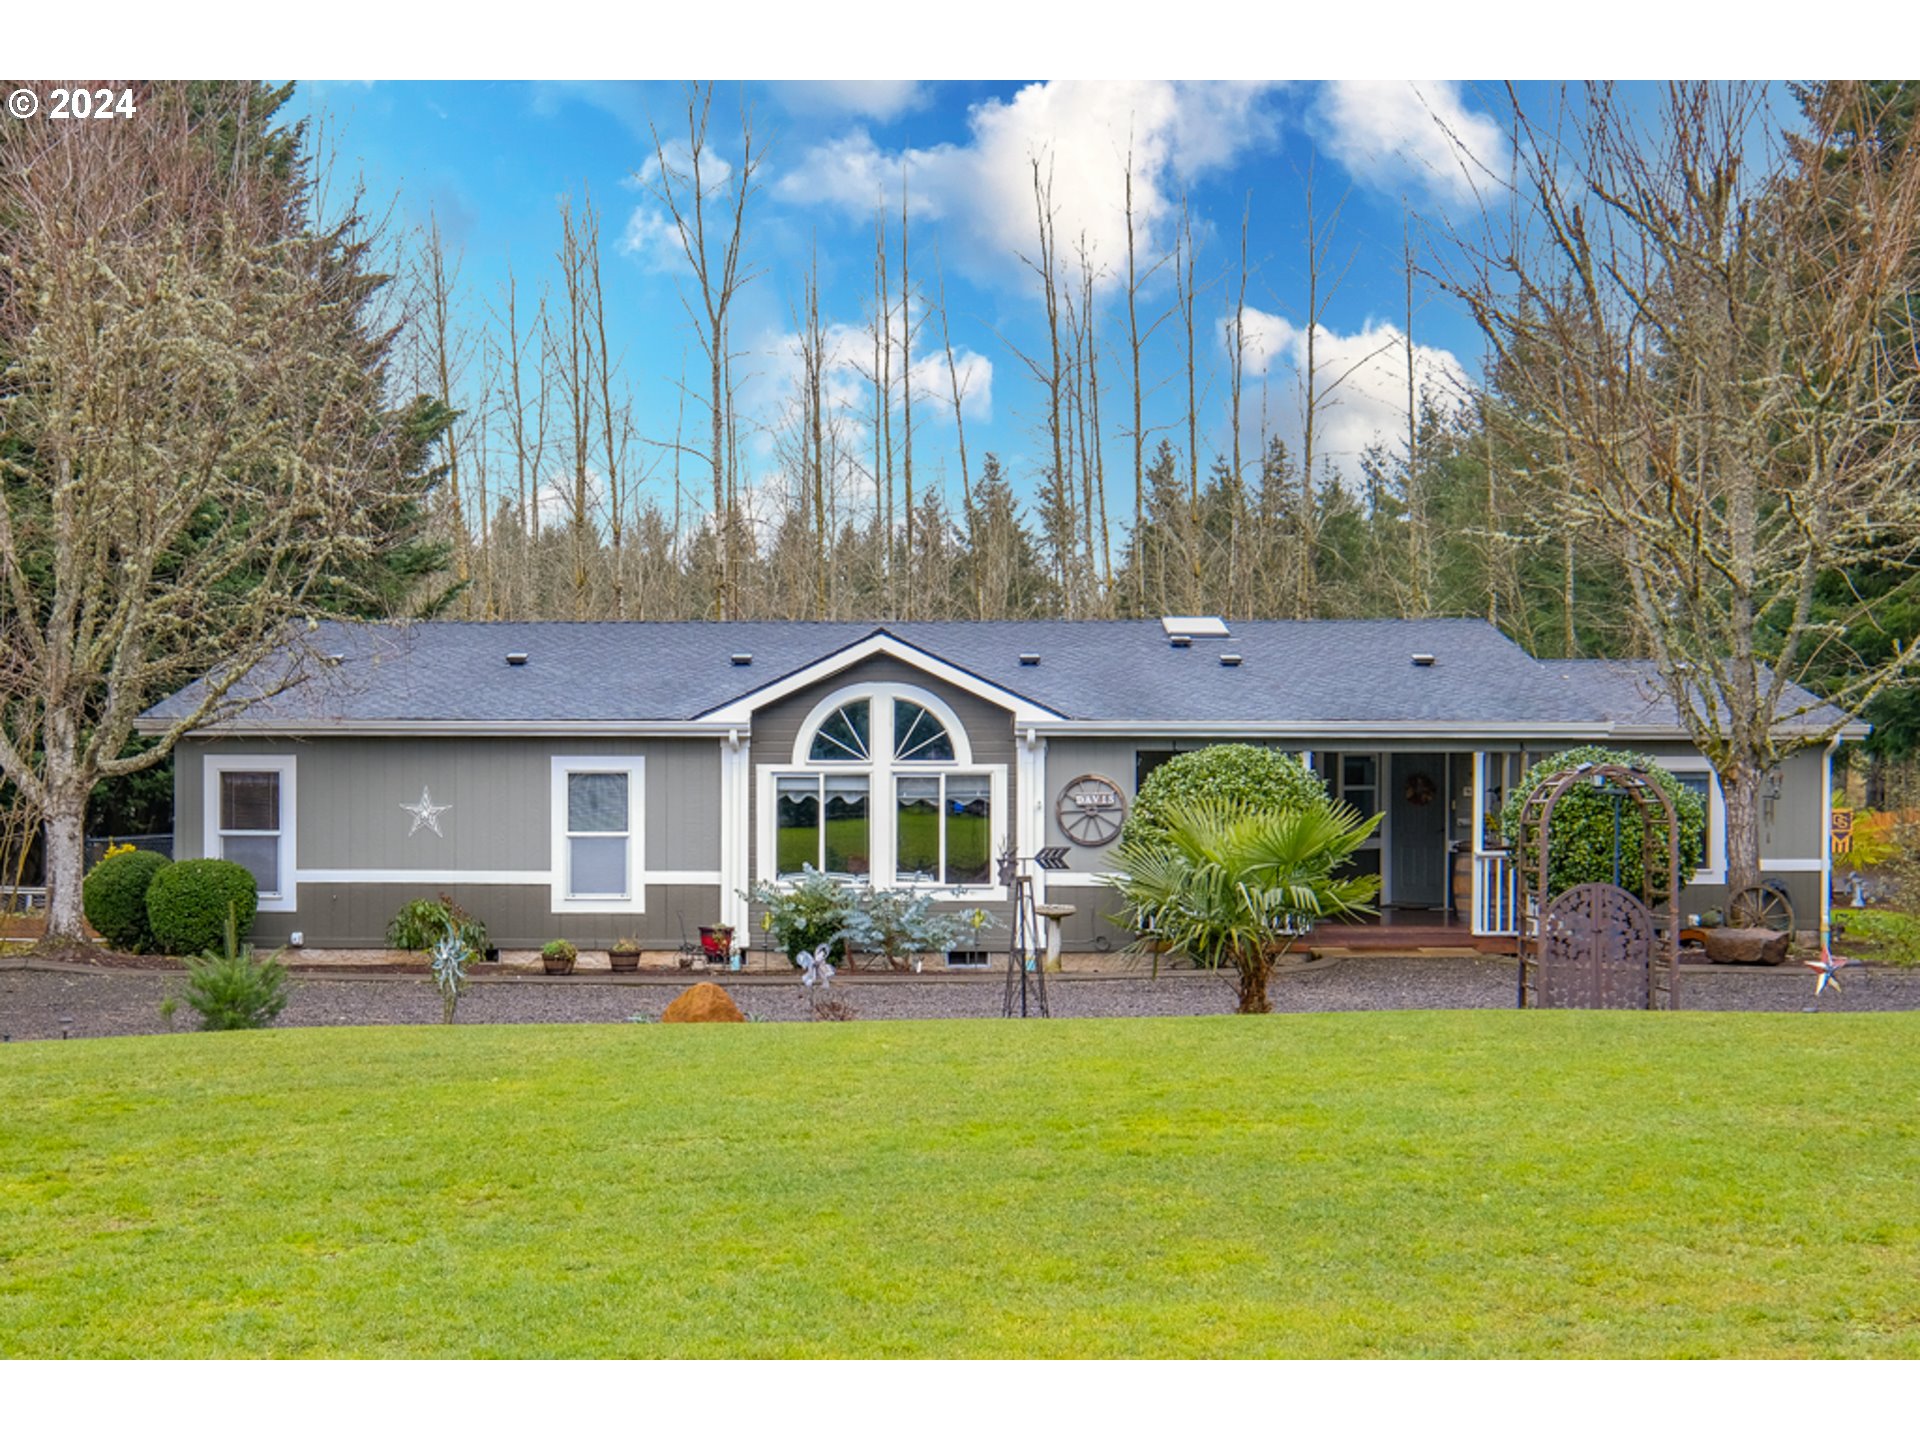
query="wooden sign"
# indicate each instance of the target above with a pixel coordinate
(1842, 833)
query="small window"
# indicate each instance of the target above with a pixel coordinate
(250, 824)
(967, 960)
(844, 734)
(1145, 762)
(917, 735)
(598, 834)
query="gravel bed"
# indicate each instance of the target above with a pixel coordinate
(38, 1004)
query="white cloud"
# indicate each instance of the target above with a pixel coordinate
(881, 100)
(1363, 376)
(983, 189)
(651, 235)
(1410, 136)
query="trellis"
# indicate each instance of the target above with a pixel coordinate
(1600, 946)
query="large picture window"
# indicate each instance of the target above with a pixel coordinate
(883, 788)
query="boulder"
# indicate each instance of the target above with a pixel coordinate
(703, 1002)
(1746, 947)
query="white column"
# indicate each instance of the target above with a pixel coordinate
(733, 834)
(1479, 833)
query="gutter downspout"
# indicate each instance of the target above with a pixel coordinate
(1826, 846)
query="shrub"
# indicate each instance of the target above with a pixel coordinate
(188, 904)
(805, 914)
(1252, 777)
(1892, 935)
(1582, 837)
(421, 923)
(560, 950)
(114, 896)
(232, 990)
(897, 924)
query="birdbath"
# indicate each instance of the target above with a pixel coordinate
(1053, 915)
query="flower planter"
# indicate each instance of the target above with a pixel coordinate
(717, 941)
(624, 960)
(557, 965)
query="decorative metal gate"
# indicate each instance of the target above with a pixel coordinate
(1596, 948)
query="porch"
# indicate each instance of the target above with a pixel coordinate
(1441, 885)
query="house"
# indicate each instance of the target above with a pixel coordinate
(592, 780)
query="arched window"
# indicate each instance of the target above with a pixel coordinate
(883, 785)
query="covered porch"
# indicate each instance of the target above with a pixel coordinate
(1441, 885)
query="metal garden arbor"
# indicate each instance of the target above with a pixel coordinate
(1596, 945)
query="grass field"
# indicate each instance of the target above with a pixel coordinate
(1491, 1183)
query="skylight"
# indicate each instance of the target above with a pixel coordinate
(1201, 626)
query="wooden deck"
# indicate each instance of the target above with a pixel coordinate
(1407, 932)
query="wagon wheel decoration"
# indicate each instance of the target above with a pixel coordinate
(1091, 810)
(1760, 907)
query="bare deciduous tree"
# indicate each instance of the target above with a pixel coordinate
(1701, 321)
(197, 455)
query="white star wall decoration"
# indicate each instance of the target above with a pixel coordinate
(425, 813)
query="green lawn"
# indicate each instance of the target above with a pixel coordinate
(1381, 1184)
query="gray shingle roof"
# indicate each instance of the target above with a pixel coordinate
(1630, 693)
(1292, 672)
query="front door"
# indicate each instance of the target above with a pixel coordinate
(1417, 830)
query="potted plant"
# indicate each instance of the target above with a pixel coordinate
(717, 942)
(625, 954)
(558, 956)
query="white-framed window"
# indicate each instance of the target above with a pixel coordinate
(598, 805)
(1697, 774)
(249, 818)
(882, 788)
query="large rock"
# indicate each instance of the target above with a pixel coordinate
(1746, 947)
(703, 1002)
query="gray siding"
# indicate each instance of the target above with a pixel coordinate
(348, 817)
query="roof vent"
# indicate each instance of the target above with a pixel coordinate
(516, 657)
(1422, 659)
(1181, 642)
(335, 658)
(742, 657)
(1230, 660)
(1208, 625)
(1028, 657)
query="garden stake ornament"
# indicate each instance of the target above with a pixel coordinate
(1828, 968)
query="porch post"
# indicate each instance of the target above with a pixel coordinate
(1479, 832)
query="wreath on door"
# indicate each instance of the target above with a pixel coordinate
(1419, 790)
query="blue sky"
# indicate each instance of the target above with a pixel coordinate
(492, 161)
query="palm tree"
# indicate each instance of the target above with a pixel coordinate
(1229, 886)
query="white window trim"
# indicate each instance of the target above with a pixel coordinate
(212, 768)
(634, 902)
(1714, 872)
(883, 770)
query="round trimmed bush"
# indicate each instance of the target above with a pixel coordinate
(1252, 775)
(187, 904)
(1582, 841)
(114, 897)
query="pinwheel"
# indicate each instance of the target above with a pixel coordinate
(815, 968)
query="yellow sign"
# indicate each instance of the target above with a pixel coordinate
(1842, 832)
